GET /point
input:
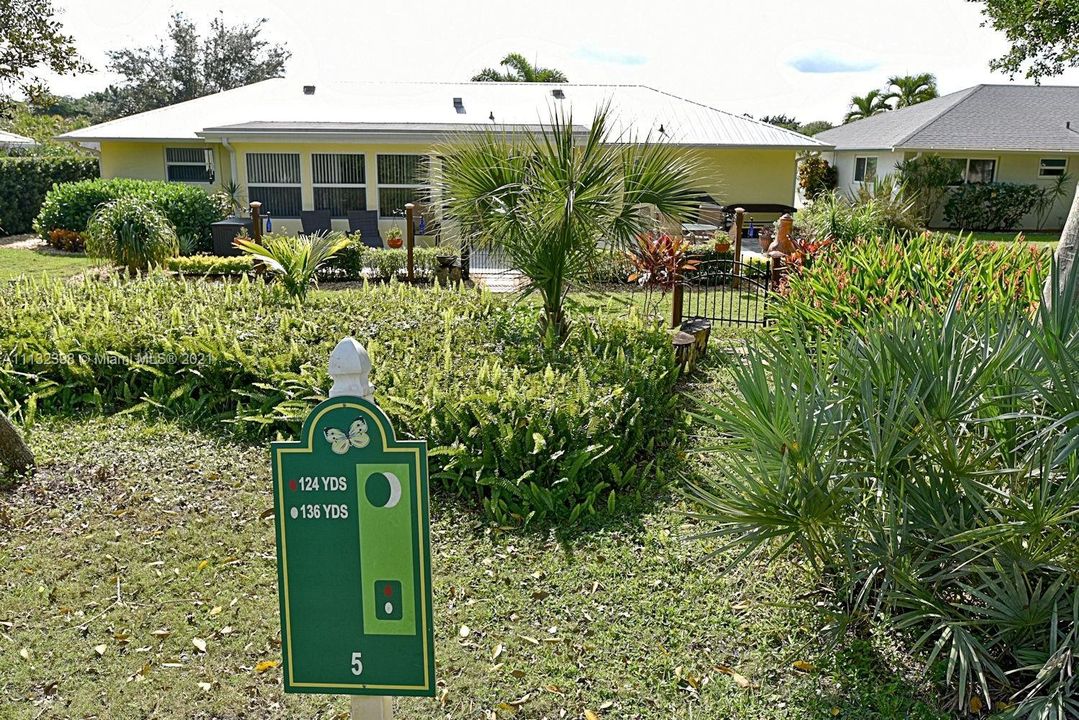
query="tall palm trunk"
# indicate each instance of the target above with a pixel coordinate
(1067, 249)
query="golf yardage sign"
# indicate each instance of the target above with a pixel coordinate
(353, 555)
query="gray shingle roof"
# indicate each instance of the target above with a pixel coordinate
(984, 117)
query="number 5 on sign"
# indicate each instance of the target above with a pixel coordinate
(353, 546)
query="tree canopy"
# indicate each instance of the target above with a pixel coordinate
(872, 103)
(519, 69)
(1043, 35)
(187, 65)
(31, 38)
(907, 90)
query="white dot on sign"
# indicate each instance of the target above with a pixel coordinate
(294, 512)
(389, 608)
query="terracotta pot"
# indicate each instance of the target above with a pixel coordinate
(395, 243)
(722, 247)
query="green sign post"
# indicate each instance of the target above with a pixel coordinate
(353, 547)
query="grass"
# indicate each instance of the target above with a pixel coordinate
(1040, 238)
(135, 537)
(15, 262)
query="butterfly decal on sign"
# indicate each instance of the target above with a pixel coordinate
(356, 437)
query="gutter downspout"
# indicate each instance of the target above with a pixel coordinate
(232, 159)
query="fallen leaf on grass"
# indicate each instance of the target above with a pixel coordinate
(803, 665)
(740, 680)
(265, 665)
(24, 654)
(517, 673)
(161, 633)
(202, 566)
(496, 652)
(199, 643)
(205, 686)
(100, 649)
(465, 631)
(589, 715)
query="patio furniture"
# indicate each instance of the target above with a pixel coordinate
(365, 222)
(315, 222)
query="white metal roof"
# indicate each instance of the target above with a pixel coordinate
(280, 107)
(12, 140)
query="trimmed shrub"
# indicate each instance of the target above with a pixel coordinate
(188, 208)
(389, 263)
(210, 265)
(990, 206)
(132, 234)
(530, 431)
(877, 209)
(25, 181)
(850, 284)
(928, 472)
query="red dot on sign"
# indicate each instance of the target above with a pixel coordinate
(292, 485)
(387, 591)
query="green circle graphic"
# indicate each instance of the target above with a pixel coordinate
(378, 489)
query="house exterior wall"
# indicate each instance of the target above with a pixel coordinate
(728, 175)
(1011, 167)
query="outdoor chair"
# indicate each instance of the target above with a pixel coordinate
(315, 222)
(365, 222)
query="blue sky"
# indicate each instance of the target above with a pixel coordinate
(765, 57)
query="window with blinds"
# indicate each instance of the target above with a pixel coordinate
(190, 165)
(273, 179)
(340, 182)
(401, 180)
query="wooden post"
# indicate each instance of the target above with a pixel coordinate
(739, 218)
(256, 222)
(410, 240)
(676, 305)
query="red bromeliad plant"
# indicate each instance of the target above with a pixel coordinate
(660, 262)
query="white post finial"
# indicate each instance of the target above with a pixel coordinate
(350, 369)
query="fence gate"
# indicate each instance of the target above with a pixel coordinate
(486, 260)
(727, 292)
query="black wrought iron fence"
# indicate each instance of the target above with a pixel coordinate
(728, 292)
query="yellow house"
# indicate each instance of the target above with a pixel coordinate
(346, 146)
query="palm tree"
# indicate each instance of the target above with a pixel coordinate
(872, 103)
(909, 90)
(518, 69)
(555, 201)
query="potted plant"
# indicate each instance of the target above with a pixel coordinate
(393, 237)
(722, 240)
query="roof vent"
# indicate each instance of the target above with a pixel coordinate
(491, 117)
(308, 89)
(557, 94)
(459, 106)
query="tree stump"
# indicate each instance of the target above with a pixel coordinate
(685, 349)
(14, 454)
(700, 329)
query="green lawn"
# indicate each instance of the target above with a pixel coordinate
(136, 537)
(1041, 238)
(16, 262)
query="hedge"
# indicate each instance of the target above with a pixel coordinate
(24, 182)
(529, 431)
(188, 208)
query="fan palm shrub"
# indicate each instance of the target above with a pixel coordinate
(556, 201)
(131, 233)
(929, 470)
(295, 259)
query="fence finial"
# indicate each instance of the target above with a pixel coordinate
(350, 368)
